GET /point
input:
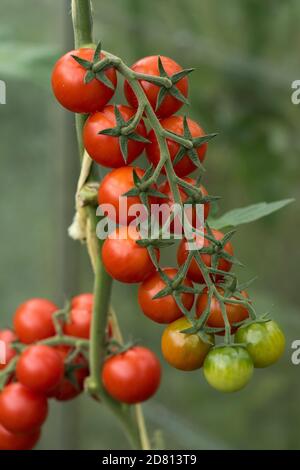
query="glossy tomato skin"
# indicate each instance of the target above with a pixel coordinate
(228, 368)
(112, 189)
(79, 323)
(11, 441)
(194, 272)
(105, 149)
(124, 259)
(190, 213)
(183, 351)
(7, 336)
(84, 300)
(67, 389)
(69, 87)
(149, 65)
(265, 342)
(40, 368)
(235, 312)
(21, 409)
(132, 376)
(164, 309)
(33, 320)
(175, 124)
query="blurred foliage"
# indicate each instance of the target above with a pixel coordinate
(246, 58)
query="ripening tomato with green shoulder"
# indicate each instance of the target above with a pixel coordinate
(175, 124)
(235, 312)
(40, 368)
(105, 149)
(69, 86)
(124, 259)
(33, 320)
(7, 336)
(149, 66)
(22, 410)
(112, 191)
(12, 441)
(184, 351)
(228, 368)
(132, 376)
(163, 309)
(194, 272)
(265, 342)
(193, 217)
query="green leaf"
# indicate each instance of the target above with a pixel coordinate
(84, 63)
(248, 214)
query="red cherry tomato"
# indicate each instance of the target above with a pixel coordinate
(75, 374)
(21, 409)
(124, 259)
(33, 320)
(164, 309)
(194, 272)
(105, 149)
(235, 312)
(70, 89)
(132, 376)
(149, 66)
(40, 368)
(83, 301)
(191, 214)
(7, 336)
(11, 441)
(112, 189)
(175, 124)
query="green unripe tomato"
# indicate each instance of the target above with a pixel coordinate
(265, 342)
(228, 368)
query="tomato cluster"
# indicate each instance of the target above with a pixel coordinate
(166, 295)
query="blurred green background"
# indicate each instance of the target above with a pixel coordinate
(246, 56)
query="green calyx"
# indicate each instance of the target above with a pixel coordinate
(95, 73)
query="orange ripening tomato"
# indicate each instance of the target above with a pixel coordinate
(235, 312)
(105, 149)
(175, 124)
(33, 320)
(163, 309)
(124, 259)
(194, 272)
(70, 89)
(132, 376)
(149, 65)
(112, 189)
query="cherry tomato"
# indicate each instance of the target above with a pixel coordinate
(33, 320)
(132, 376)
(11, 441)
(83, 301)
(175, 124)
(235, 312)
(194, 272)
(149, 66)
(7, 336)
(265, 342)
(124, 259)
(40, 368)
(105, 149)
(112, 189)
(228, 368)
(21, 409)
(190, 213)
(183, 351)
(70, 89)
(75, 374)
(164, 309)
